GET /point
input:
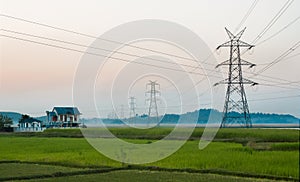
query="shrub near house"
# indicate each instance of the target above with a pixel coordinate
(29, 124)
(5, 123)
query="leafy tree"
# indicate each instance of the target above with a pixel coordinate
(4, 120)
(24, 117)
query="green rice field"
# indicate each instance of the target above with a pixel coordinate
(234, 155)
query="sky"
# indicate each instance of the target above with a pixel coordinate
(35, 78)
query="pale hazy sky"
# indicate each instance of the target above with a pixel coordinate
(34, 78)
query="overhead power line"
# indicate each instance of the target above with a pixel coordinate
(100, 55)
(95, 54)
(275, 98)
(271, 79)
(279, 86)
(286, 58)
(91, 36)
(70, 49)
(246, 15)
(95, 37)
(112, 41)
(279, 31)
(273, 20)
(288, 83)
(271, 23)
(279, 58)
(98, 48)
(278, 92)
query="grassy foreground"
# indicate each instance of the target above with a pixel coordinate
(266, 152)
(57, 173)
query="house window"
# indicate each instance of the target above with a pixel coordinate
(61, 117)
(71, 118)
(75, 118)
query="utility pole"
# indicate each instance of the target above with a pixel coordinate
(153, 93)
(132, 107)
(236, 110)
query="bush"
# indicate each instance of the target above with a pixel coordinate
(5, 123)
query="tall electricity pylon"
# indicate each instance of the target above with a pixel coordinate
(132, 106)
(153, 98)
(236, 110)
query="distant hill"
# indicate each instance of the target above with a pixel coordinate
(262, 118)
(203, 116)
(13, 115)
(256, 118)
(17, 116)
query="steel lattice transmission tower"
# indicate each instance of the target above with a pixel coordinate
(153, 93)
(132, 107)
(236, 110)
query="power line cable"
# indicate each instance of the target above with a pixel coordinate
(95, 54)
(273, 79)
(124, 60)
(275, 98)
(70, 31)
(273, 20)
(98, 48)
(279, 58)
(284, 87)
(273, 92)
(246, 15)
(112, 41)
(271, 23)
(287, 83)
(91, 36)
(279, 31)
(290, 83)
(95, 37)
(294, 83)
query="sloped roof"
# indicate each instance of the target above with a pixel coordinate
(66, 110)
(51, 113)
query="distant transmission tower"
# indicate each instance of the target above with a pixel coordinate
(153, 98)
(236, 110)
(121, 111)
(132, 107)
(112, 114)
